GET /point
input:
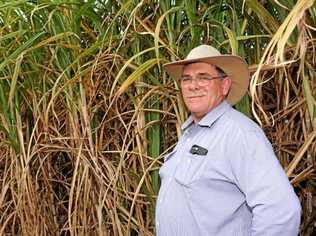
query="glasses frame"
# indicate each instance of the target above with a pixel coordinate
(201, 80)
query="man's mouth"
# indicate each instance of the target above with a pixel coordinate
(195, 96)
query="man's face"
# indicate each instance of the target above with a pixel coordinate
(200, 92)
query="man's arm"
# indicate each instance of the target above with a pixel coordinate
(275, 207)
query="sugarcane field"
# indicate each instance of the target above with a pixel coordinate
(92, 109)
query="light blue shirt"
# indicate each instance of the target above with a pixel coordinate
(237, 188)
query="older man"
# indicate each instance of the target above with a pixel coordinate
(222, 178)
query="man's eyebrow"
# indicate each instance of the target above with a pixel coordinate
(204, 73)
(200, 74)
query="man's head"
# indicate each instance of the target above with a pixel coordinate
(207, 60)
(203, 87)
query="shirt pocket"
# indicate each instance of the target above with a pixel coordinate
(191, 169)
(168, 166)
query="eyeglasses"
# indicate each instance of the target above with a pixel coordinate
(201, 80)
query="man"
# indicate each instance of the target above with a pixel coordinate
(222, 178)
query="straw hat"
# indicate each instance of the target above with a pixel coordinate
(234, 66)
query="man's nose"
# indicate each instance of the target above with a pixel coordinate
(194, 84)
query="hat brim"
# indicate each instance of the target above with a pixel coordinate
(235, 67)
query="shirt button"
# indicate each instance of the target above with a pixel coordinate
(188, 161)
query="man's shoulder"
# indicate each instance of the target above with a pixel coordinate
(243, 133)
(239, 121)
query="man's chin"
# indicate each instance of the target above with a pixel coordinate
(194, 99)
(197, 113)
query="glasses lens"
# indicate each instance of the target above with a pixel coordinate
(201, 80)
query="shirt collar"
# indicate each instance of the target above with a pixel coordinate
(209, 119)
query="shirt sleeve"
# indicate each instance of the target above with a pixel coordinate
(270, 196)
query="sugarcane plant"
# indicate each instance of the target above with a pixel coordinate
(87, 111)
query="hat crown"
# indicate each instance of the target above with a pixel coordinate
(203, 51)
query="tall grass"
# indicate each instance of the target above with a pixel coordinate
(87, 112)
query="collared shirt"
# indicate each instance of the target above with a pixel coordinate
(237, 188)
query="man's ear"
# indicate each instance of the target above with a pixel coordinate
(226, 83)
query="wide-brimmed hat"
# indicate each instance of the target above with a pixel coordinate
(234, 66)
